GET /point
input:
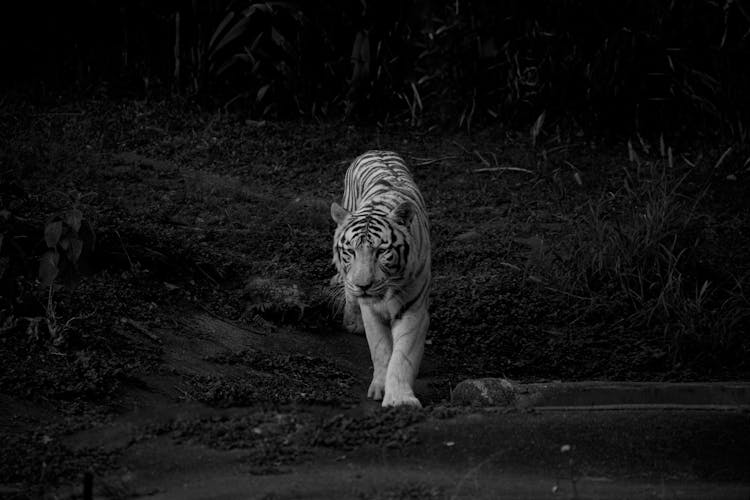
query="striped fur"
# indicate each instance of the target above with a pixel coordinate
(381, 250)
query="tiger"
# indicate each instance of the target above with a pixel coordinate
(381, 251)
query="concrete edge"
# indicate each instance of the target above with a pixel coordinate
(603, 395)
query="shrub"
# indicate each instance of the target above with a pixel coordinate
(629, 65)
(636, 256)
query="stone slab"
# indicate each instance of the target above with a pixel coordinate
(603, 395)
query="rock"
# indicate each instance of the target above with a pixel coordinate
(485, 392)
(602, 394)
(275, 298)
(468, 236)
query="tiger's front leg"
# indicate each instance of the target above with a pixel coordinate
(353, 316)
(409, 334)
(379, 340)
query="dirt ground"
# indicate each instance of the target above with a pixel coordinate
(194, 337)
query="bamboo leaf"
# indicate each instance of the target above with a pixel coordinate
(278, 38)
(537, 128)
(262, 92)
(254, 45)
(416, 95)
(236, 32)
(246, 58)
(220, 29)
(257, 7)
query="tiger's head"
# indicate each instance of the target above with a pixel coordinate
(371, 249)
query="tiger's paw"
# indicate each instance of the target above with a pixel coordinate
(401, 399)
(376, 390)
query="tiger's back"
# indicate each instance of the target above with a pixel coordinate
(380, 175)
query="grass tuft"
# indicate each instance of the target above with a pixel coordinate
(636, 255)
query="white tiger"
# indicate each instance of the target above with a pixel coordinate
(381, 249)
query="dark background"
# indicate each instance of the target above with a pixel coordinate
(166, 176)
(628, 66)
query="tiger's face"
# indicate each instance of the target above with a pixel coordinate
(369, 269)
(370, 252)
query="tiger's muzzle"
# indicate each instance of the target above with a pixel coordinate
(370, 290)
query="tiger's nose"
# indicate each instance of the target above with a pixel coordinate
(365, 286)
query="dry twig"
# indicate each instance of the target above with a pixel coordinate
(423, 162)
(502, 169)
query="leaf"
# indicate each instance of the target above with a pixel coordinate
(417, 98)
(219, 29)
(231, 62)
(265, 8)
(73, 219)
(237, 31)
(74, 252)
(278, 38)
(239, 28)
(632, 155)
(52, 233)
(537, 127)
(254, 45)
(48, 269)
(262, 92)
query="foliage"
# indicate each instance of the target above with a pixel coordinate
(65, 236)
(637, 255)
(249, 52)
(631, 65)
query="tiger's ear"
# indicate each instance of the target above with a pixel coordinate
(403, 214)
(338, 213)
